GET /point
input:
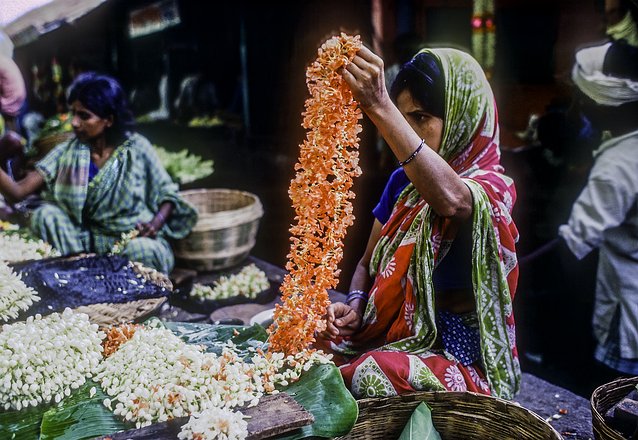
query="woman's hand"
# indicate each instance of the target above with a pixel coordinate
(150, 229)
(341, 320)
(365, 77)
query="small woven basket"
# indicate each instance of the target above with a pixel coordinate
(456, 416)
(225, 232)
(602, 399)
(47, 143)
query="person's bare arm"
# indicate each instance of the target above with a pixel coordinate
(435, 180)
(151, 228)
(345, 319)
(361, 279)
(17, 191)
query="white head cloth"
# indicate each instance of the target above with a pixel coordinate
(603, 89)
(6, 45)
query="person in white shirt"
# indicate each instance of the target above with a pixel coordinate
(605, 215)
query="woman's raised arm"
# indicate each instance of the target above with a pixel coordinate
(435, 180)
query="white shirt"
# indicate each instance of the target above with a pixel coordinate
(605, 216)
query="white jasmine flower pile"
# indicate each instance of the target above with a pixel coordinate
(15, 296)
(215, 423)
(14, 248)
(248, 282)
(155, 376)
(44, 359)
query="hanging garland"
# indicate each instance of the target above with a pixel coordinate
(320, 194)
(484, 34)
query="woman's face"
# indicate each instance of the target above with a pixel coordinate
(427, 126)
(88, 126)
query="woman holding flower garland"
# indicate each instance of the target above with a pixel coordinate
(103, 182)
(430, 306)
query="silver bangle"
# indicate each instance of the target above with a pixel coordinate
(413, 155)
(356, 294)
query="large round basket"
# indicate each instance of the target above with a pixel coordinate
(225, 231)
(456, 416)
(602, 399)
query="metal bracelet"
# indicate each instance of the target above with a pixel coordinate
(356, 294)
(413, 155)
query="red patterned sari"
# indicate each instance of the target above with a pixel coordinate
(395, 351)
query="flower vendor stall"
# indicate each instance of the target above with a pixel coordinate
(81, 356)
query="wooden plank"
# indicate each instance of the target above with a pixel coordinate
(273, 415)
(276, 414)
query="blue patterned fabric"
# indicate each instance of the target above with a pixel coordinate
(460, 338)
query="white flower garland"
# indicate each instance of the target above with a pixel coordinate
(15, 296)
(14, 248)
(125, 239)
(215, 423)
(248, 282)
(156, 376)
(43, 359)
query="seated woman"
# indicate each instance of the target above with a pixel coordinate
(103, 182)
(430, 306)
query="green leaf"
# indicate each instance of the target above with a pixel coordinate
(81, 417)
(182, 166)
(420, 425)
(213, 337)
(24, 424)
(322, 392)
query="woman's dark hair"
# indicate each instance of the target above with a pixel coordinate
(105, 97)
(423, 78)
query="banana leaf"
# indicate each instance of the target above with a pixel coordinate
(420, 425)
(24, 424)
(321, 391)
(213, 337)
(81, 417)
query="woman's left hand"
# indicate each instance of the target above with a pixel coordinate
(365, 77)
(150, 229)
(341, 320)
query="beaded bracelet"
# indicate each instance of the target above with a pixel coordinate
(356, 294)
(161, 216)
(413, 155)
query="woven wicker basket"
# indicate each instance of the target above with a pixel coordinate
(45, 144)
(456, 416)
(225, 231)
(602, 399)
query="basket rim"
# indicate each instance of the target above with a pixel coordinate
(228, 217)
(598, 418)
(459, 397)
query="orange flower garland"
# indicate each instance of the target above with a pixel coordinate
(320, 194)
(116, 336)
